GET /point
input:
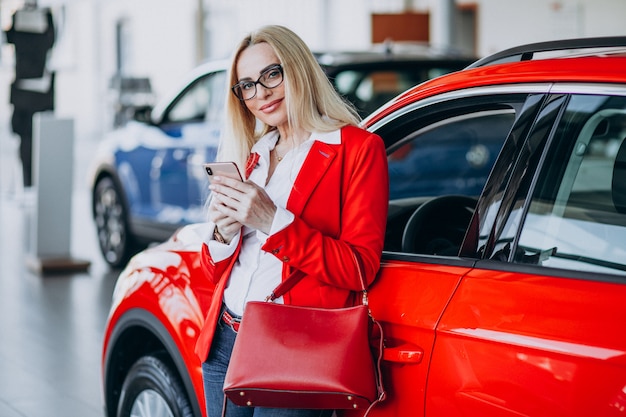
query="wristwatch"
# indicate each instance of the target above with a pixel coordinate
(217, 236)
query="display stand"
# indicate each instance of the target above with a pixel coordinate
(53, 161)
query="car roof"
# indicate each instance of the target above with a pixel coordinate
(600, 65)
(563, 47)
(392, 52)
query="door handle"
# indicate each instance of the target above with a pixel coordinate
(403, 354)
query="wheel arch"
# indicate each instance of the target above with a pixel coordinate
(139, 333)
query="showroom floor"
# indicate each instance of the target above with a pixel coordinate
(51, 325)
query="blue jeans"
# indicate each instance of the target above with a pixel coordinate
(214, 372)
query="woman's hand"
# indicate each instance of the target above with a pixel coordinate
(237, 203)
(225, 226)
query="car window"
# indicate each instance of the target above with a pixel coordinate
(217, 96)
(369, 90)
(446, 152)
(453, 156)
(201, 101)
(577, 215)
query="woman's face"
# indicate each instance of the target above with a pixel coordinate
(268, 105)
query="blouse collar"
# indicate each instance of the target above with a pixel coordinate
(268, 141)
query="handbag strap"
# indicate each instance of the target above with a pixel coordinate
(378, 358)
(286, 285)
(297, 275)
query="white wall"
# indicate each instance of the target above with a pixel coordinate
(161, 44)
(506, 23)
(76, 61)
(162, 48)
(163, 37)
(323, 24)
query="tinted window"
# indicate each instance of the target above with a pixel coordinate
(577, 215)
(368, 90)
(445, 150)
(453, 156)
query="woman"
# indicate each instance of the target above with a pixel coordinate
(315, 189)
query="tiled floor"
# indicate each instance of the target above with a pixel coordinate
(51, 326)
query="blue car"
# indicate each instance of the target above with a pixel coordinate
(147, 179)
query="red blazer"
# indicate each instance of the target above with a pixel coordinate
(340, 202)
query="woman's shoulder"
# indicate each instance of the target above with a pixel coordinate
(351, 134)
(353, 130)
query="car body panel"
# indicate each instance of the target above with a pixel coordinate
(164, 291)
(419, 294)
(522, 343)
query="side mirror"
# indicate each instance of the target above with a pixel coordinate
(143, 114)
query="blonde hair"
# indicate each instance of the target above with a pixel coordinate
(312, 102)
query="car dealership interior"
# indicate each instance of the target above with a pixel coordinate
(55, 287)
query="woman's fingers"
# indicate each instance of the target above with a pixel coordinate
(245, 202)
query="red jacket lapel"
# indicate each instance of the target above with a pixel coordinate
(315, 166)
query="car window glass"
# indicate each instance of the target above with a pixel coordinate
(217, 97)
(443, 149)
(577, 215)
(193, 104)
(448, 160)
(454, 156)
(369, 90)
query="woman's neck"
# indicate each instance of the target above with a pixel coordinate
(291, 138)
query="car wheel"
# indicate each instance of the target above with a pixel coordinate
(151, 388)
(114, 238)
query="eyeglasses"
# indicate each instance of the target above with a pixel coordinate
(272, 77)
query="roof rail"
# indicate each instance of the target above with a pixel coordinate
(526, 52)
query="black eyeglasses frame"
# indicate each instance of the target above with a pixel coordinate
(236, 89)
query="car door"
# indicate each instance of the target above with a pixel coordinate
(452, 141)
(537, 327)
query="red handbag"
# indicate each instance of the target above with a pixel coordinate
(306, 358)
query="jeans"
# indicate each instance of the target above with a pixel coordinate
(214, 372)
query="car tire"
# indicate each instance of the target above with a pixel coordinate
(111, 218)
(151, 388)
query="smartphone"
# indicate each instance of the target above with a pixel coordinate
(224, 169)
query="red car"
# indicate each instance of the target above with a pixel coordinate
(510, 301)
